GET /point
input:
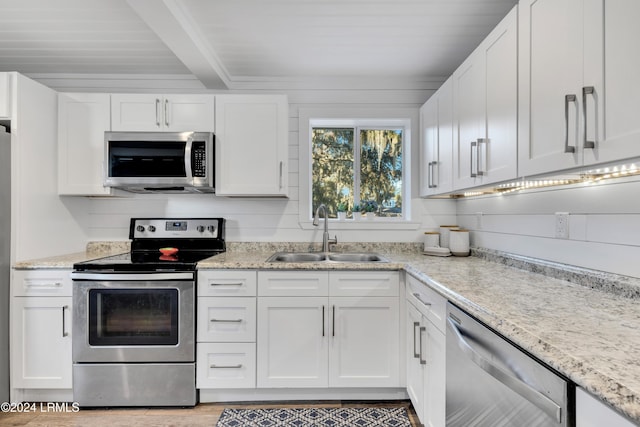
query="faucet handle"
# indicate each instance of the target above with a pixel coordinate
(333, 241)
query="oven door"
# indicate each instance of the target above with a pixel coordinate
(124, 319)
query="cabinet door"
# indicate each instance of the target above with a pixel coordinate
(185, 113)
(41, 342)
(611, 63)
(292, 342)
(251, 145)
(550, 52)
(498, 152)
(444, 167)
(82, 120)
(428, 146)
(415, 369)
(364, 348)
(469, 111)
(591, 412)
(136, 112)
(435, 408)
(5, 95)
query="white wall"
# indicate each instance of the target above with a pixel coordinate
(604, 225)
(271, 219)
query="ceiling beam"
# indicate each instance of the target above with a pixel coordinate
(175, 27)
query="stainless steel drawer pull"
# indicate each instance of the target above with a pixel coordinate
(417, 296)
(587, 90)
(567, 99)
(226, 284)
(227, 320)
(157, 112)
(416, 354)
(547, 405)
(422, 361)
(226, 366)
(166, 112)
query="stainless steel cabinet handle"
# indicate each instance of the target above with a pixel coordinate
(567, 99)
(416, 354)
(158, 112)
(226, 284)
(479, 170)
(432, 175)
(226, 366)
(333, 332)
(166, 112)
(517, 385)
(417, 296)
(422, 329)
(473, 145)
(226, 320)
(587, 90)
(323, 320)
(64, 322)
(280, 179)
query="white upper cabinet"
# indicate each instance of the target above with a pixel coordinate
(5, 95)
(578, 89)
(485, 94)
(82, 120)
(251, 145)
(436, 124)
(612, 61)
(169, 113)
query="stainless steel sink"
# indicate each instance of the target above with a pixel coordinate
(326, 257)
(298, 257)
(357, 257)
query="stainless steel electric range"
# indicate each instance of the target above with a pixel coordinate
(134, 315)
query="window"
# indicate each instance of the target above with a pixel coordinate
(357, 168)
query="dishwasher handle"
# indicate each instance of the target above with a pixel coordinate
(547, 405)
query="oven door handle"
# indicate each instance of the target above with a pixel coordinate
(515, 384)
(77, 275)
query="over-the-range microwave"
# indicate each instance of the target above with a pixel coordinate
(159, 162)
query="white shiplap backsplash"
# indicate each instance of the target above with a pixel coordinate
(604, 224)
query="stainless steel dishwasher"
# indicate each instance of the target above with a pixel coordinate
(491, 382)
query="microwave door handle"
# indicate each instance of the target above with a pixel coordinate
(187, 157)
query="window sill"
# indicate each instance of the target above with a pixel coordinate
(364, 224)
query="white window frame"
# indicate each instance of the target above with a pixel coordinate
(380, 118)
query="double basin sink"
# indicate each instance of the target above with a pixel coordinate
(366, 257)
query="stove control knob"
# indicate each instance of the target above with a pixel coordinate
(140, 228)
(152, 228)
(211, 228)
(200, 228)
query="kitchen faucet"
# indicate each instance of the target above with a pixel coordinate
(326, 241)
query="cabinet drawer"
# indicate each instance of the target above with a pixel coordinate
(42, 283)
(229, 365)
(231, 319)
(428, 301)
(364, 283)
(293, 283)
(232, 283)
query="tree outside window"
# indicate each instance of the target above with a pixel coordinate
(357, 169)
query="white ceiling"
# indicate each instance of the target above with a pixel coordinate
(224, 43)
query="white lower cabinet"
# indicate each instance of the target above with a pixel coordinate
(307, 337)
(425, 353)
(226, 329)
(591, 412)
(41, 330)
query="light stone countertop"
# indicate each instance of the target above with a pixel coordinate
(589, 335)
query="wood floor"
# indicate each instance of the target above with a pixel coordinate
(204, 414)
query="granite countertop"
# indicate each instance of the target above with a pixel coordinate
(590, 331)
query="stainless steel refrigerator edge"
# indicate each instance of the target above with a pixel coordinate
(5, 259)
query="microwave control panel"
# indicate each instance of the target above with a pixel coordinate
(199, 159)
